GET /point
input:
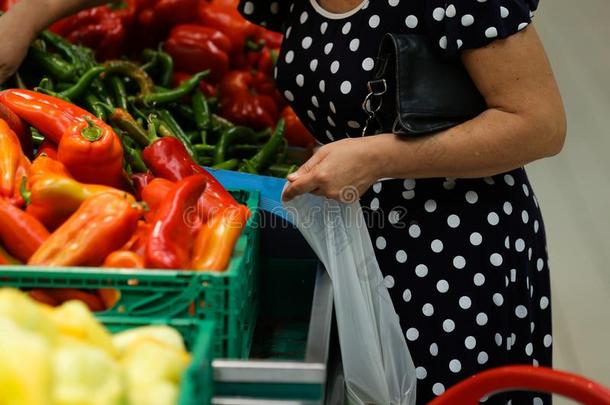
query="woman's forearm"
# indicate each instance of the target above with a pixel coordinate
(494, 142)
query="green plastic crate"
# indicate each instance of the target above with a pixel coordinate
(228, 298)
(196, 388)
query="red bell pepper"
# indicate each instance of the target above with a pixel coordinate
(295, 133)
(173, 12)
(247, 98)
(48, 148)
(14, 166)
(174, 226)
(139, 181)
(20, 127)
(195, 48)
(20, 233)
(208, 89)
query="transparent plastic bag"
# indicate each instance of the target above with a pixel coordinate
(377, 365)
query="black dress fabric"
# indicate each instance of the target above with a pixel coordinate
(464, 260)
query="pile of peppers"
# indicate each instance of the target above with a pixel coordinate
(77, 206)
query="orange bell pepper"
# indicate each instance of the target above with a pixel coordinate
(124, 259)
(20, 232)
(13, 164)
(216, 239)
(101, 225)
(45, 164)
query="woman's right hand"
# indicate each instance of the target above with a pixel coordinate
(17, 33)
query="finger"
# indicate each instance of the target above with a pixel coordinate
(306, 167)
(301, 185)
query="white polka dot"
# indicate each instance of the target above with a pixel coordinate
(434, 349)
(334, 67)
(414, 231)
(519, 245)
(377, 187)
(493, 218)
(374, 21)
(479, 279)
(536, 226)
(481, 319)
(368, 64)
(353, 124)
(300, 79)
(303, 17)
(532, 327)
(311, 115)
(450, 11)
(346, 87)
(448, 325)
(521, 311)
(330, 120)
(409, 184)
(394, 217)
(508, 208)
(313, 65)
(408, 194)
(455, 366)
(443, 42)
(498, 299)
(507, 242)
(306, 42)
(442, 286)
(544, 303)
(436, 245)
(406, 295)
(331, 105)
(465, 302)
(526, 190)
(470, 342)
(421, 270)
(525, 217)
(328, 47)
(380, 242)
(498, 339)
(529, 349)
(472, 197)
(412, 334)
(476, 238)
(496, 259)
(504, 12)
(314, 101)
(438, 389)
(467, 20)
(430, 205)
(453, 221)
(346, 27)
(538, 401)
(322, 86)
(522, 26)
(289, 57)
(323, 27)
(459, 43)
(482, 358)
(401, 256)
(428, 309)
(288, 30)
(539, 264)
(548, 340)
(491, 32)
(508, 179)
(393, 3)
(459, 262)
(375, 204)
(411, 21)
(248, 7)
(421, 373)
(354, 44)
(289, 96)
(438, 14)
(330, 135)
(388, 281)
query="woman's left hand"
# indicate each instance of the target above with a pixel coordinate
(341, 170)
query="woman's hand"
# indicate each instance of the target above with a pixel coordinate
(342, 170)
(17, 34)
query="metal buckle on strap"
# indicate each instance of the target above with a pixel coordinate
(372, 102)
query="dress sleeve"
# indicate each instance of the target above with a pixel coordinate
(465, 24)
(268, 13)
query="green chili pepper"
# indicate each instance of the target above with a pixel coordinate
(133, 155)
(168, 96)
(184, 112)
(62, 86)
(82, 84)
(46, 83)
(281, 156)
(118, 91)
(257, 162)
(167, 68)
(205, 161)
(281, 170)
(243, 151)
(122, 119)
(39, 44)
(68, 50)
(227, 164)
(220, 123)
(37, 137)
(201, 112)
(152, 60)
(169, 120)
(164, 130)
(51, 63)
(204, 149)
(94, 105)
(229, 136)
(134, 72)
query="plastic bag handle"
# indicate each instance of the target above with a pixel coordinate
(528, 378)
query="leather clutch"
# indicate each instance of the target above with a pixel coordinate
(416, 91)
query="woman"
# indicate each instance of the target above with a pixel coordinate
(456, 226)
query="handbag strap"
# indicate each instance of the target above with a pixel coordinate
(372, 103)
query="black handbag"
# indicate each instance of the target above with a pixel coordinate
(415, 91)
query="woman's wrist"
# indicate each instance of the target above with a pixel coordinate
(387, 157)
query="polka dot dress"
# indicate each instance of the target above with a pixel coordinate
(464, 260)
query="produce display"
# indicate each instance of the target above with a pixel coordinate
(64, 356)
